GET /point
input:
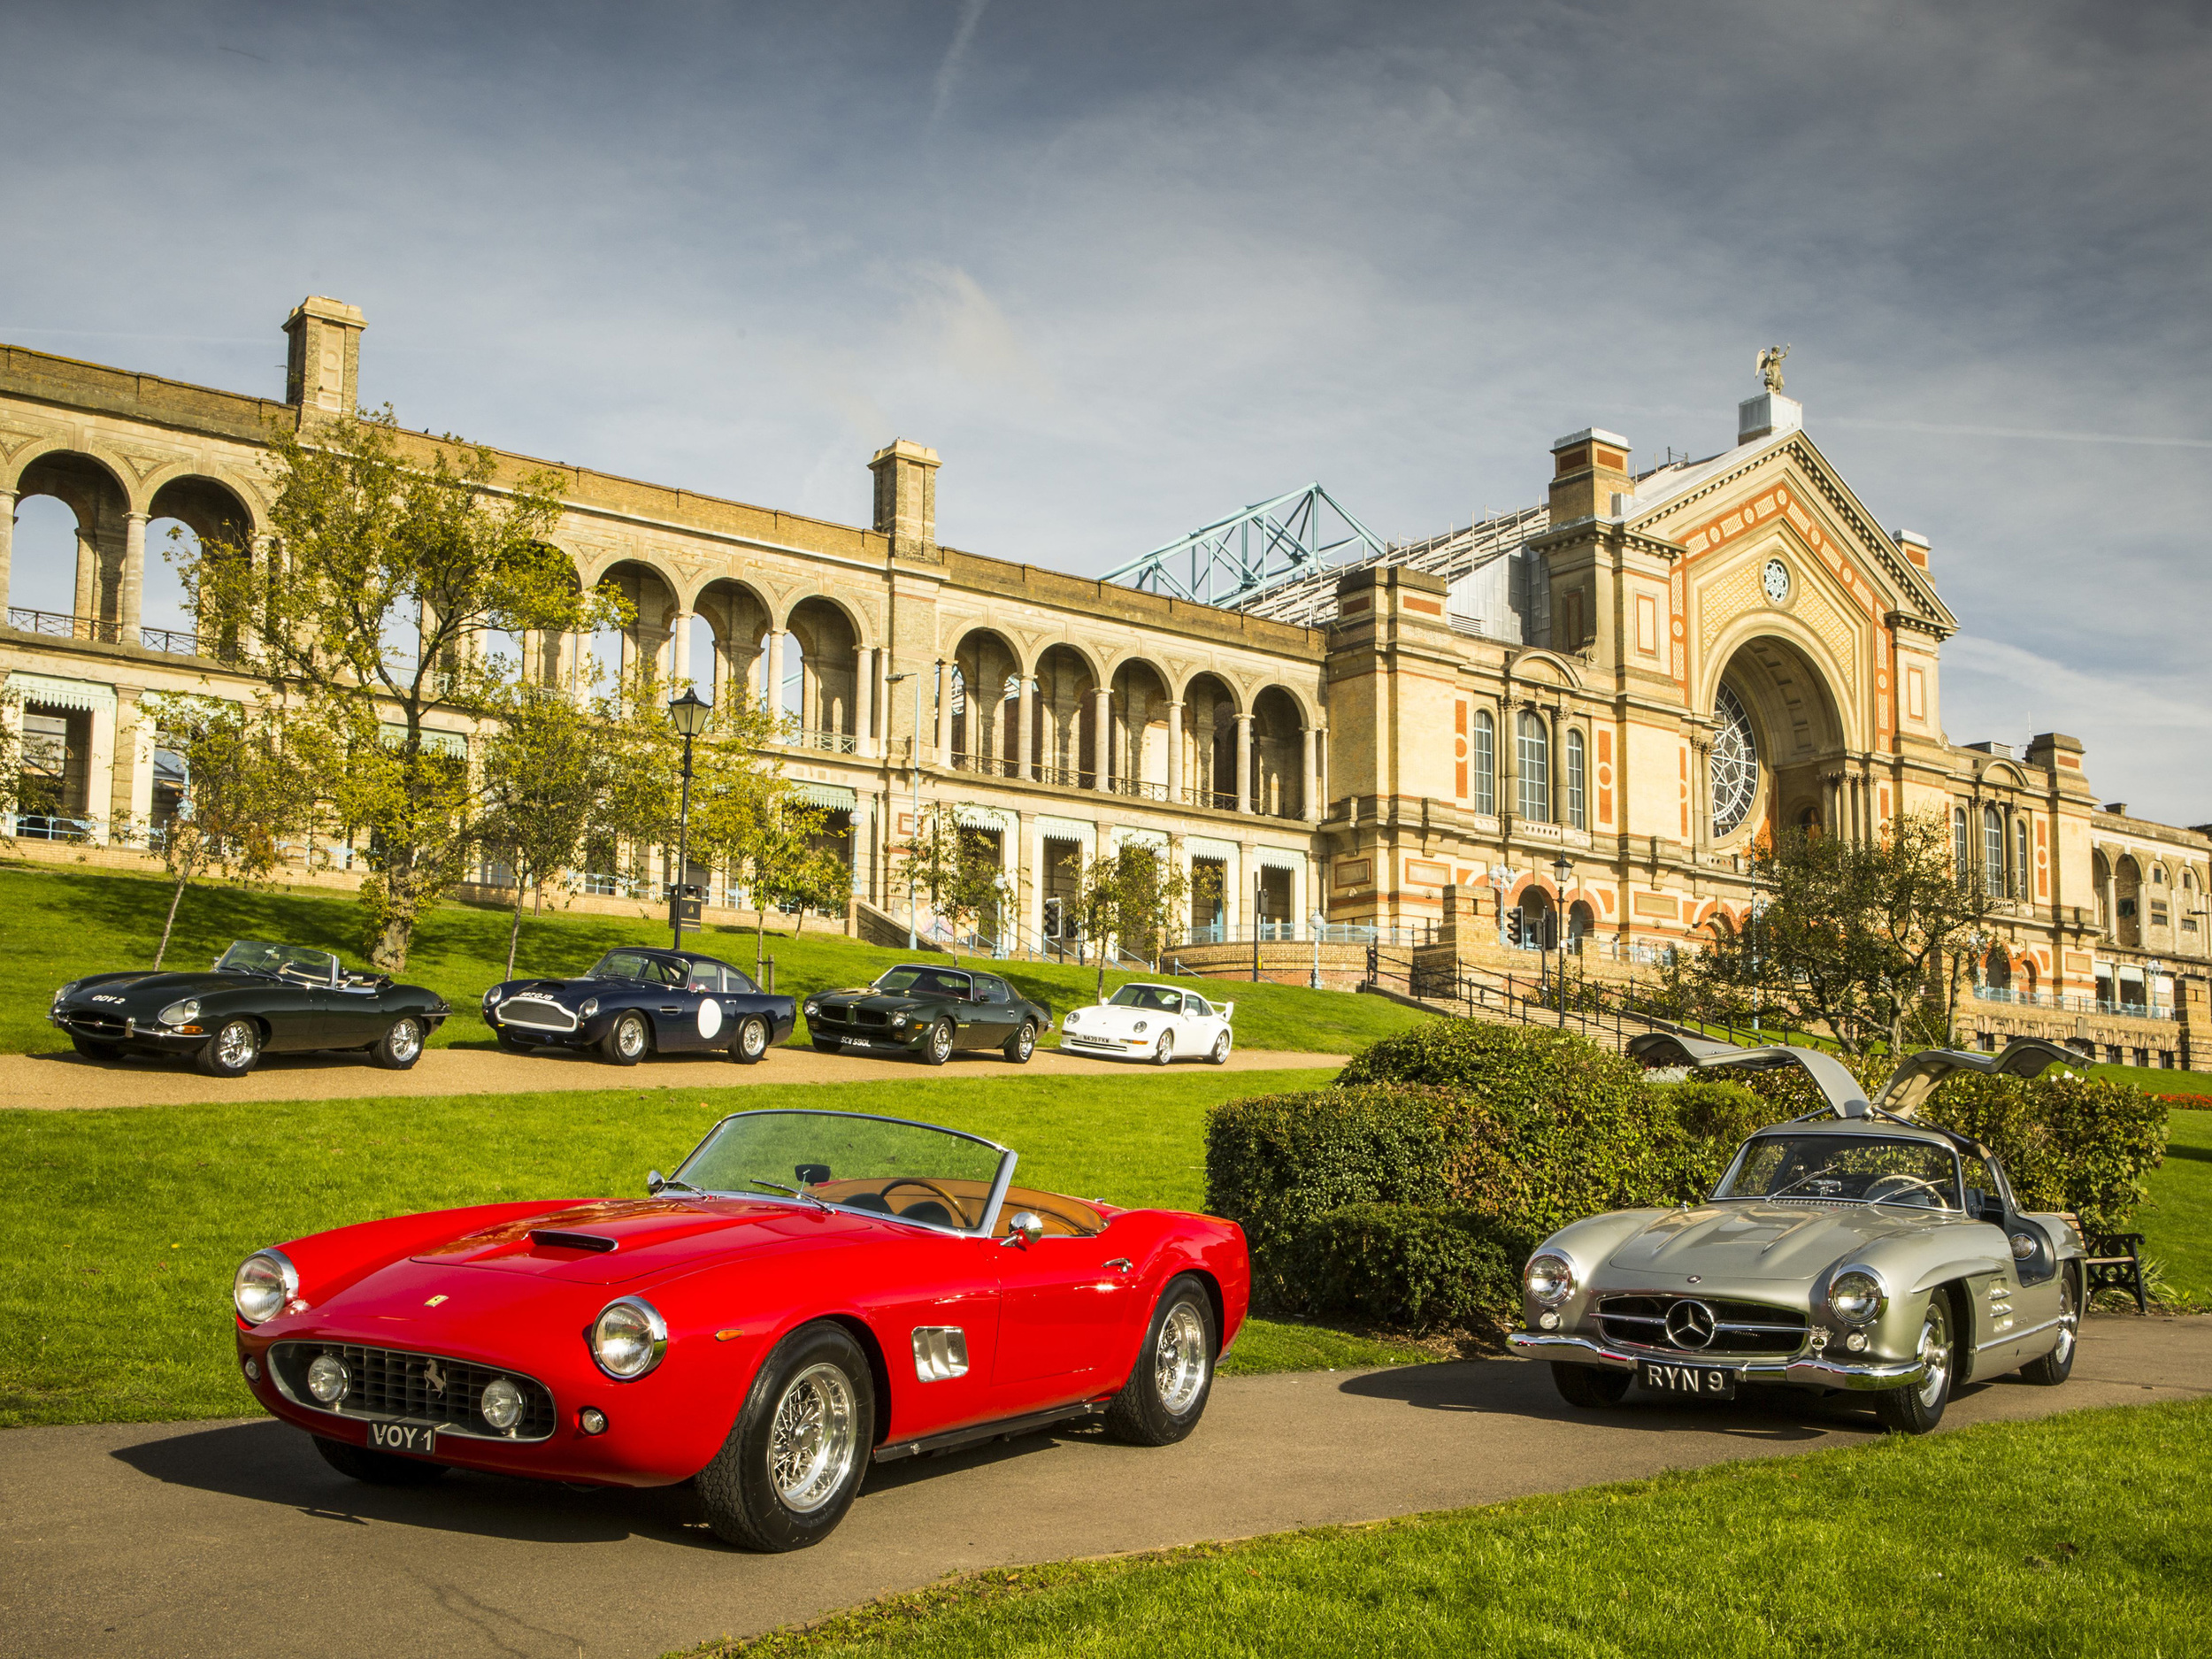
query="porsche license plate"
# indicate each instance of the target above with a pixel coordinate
(1707, 1382)
(403, 1437)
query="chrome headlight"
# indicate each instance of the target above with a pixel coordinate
(328, 1380)
(812, 1007)
(1071, 1020)
(1855, 1296)
(1549, 1278)
(181, 1013)
(265, 1282)
(898, 1019)
(2023, 1247)
(1138, 1028)
(65, 990)
(491, 997)
(590, 1007)
(502, 1403)
(628, 1338)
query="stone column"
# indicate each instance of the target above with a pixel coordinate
(2112, 898)
(772, 675)
(1174, 753)
(864, 701)
(7, 540)
(1310, 784)
(1244, 766)
(680, 652)
(1102, 737)
(1026, 728)
(87, 603)
(134, 578)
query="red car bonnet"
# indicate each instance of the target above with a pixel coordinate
(643, 1236)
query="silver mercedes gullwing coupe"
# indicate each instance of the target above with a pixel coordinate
(1856, 1248)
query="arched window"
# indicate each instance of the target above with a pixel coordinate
(1535, 757)
(1962, 850)
(1577, 817)
(1993, 852)
(2020, 857)
(1485, 759)
(1735, 762)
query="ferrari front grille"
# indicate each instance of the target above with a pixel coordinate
(1735, 1326)
(391, 1384)
(542, 1013)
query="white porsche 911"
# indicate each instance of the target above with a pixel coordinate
(1151, 1021)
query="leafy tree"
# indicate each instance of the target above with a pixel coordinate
(244, 790)
(957, 866)
(1132, 896)
(544, 773)
(394, 556)
(1866, 939)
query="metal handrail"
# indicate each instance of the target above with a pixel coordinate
(833, 742)
(62, 624)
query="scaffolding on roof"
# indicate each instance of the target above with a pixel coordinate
(1310, 601)
(1303, 533)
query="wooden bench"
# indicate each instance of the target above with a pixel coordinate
(2115, 1262)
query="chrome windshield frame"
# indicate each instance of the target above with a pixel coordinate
(1720, 1195)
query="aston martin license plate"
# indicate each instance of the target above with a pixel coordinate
(1707, 1382)
(403, 1437)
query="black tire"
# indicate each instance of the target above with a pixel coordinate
(1164, 1055)
(938, 1047)
(739, 1491)
(751, 1042)
(2048, 1370)
(1918, 1407)
(1173, 1378)
(231, 1050)
(1022, 1044)
(828, 1045)
(627, 1041)
(1219, 1055)
(93, 1049)
(379, 1468)
(513, 1044)
(1591, 1387)
(400, 1046)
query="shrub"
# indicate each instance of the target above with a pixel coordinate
(1402, 1266)
(2068, 1142)
(1714, 1118)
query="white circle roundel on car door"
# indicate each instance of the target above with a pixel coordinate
(710, 1017)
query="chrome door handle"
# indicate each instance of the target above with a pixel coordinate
(1120, 1261)
(671, 1010)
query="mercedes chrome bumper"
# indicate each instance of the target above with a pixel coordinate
(1804, 1370)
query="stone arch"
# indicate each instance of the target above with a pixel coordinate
(1997, 968)
(641, 647)
(1228, 683)
(1784, 689)
(856, 620)
(1209, 746)
(984, 683)
(736, 616)
(1139, 709)
(1278, 754)
(1533, 922)
(821, 673)
(1582, 921)
(216, 521)
(94, 494)
(2127, 884)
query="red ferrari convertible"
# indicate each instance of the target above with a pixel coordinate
(810, 1291)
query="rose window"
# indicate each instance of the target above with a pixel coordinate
(1735, 764)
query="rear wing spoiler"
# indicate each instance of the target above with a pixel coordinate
(1227, 1011)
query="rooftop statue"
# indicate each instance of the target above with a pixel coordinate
(1771, 365)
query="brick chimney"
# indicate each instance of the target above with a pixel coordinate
(322, 371)
(1915, 546)
(906, 498)
(1588, 469)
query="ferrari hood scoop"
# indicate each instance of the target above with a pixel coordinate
(605, 1242)
(1752, 1241)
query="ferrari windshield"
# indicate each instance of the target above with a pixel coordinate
(1152, 996)
(1845, 1168)
(280, 962)
(912, 980)
(884, 1165)
(634, 964)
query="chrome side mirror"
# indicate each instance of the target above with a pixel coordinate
(654, 1181)
(1024, 1229)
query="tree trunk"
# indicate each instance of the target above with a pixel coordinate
(176, 897)
(514, 933)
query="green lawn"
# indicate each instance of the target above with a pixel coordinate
(2175, 1222)
(58, 923)
(121, 1228)
(2156, 1080)
(2078, 1534)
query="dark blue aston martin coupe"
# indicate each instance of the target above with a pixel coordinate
(634, 1002)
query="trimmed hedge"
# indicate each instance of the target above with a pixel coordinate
(1459, 1143)
(1407, 1267)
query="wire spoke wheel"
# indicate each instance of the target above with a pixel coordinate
(1180, 1357)
(406, 1040)
(811, 1445)
(237, 1043)
(630, 1037)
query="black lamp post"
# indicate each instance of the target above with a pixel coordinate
(1561, 871)
(689, 716)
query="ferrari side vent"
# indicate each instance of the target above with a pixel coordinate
(560, 1240)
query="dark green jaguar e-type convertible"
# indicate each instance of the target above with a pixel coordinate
(257, 998)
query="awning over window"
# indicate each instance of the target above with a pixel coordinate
(834, 796)
(1279, 857)
(983, 817)
(434, 742)
(57, 693)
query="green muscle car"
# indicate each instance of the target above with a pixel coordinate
(921, 1009)
(1859, 1248)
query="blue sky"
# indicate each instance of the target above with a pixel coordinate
(1128, 268)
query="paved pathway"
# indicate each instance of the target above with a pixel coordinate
(199, 1540)
(62, 1081)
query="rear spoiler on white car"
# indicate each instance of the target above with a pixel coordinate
(1227, 1011)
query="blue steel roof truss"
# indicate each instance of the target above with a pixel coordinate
(1267, 545)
